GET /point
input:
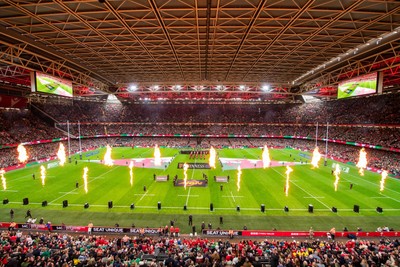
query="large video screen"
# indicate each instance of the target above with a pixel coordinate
(53, 85)
(361, 85)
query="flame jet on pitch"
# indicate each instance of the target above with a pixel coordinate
(288, 171)
(362, 161)
(185, 169)
(265, 157)
(315, 158)
(239, 175)
(107, 157)
(61, 154)
(131, 172)
(157, 156)
(85, 178)
(3, 179)
(213, 156)
(43, 174)
(384, 175)
(336, 173)
(22, 154)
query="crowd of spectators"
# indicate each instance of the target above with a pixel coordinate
(378, 109)
(349, 120)
(18, 126)
(382, 136)
(373, 120)
(62, 250)
(9, 156)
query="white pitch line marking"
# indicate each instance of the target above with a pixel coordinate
(376, 184)
(303, 190)
(77, 188)
(143, 196)
(150, 195)
(391, 198)
(188, 195)
(233, 197)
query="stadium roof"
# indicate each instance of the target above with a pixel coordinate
(209, 49)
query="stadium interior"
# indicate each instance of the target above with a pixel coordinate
(191, 75)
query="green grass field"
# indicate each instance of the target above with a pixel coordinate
(258, 186)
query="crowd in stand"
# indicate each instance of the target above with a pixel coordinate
(255, 120)
(104, 118)
(380, 109)
(17, 126)
(386, 137)
(62, 250)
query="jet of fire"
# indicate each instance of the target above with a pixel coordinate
(265, 157)
(3, 179)
(288, 171)
(61, 154)
(213, 156)
(315, 158)
(362, 162)
(85, 178)
(130, 172)
(22, 155)
(185, 168)
(336, 173)
(239, 175)
(157, 156)
(107, 157)
(43, 174)
(384, 175)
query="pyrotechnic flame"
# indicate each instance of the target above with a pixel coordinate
(336, 173)
(61, 154)
(265, 157)
(239, 175)
(3, 179)
(362, 161)
(384, 175)
(130, 172)
(315, 158)
(185, 168)
(43, 174)
(22, 155)
(157, 156)
(85, 178)
(107, 157)
(288, 171)
(213, 156)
